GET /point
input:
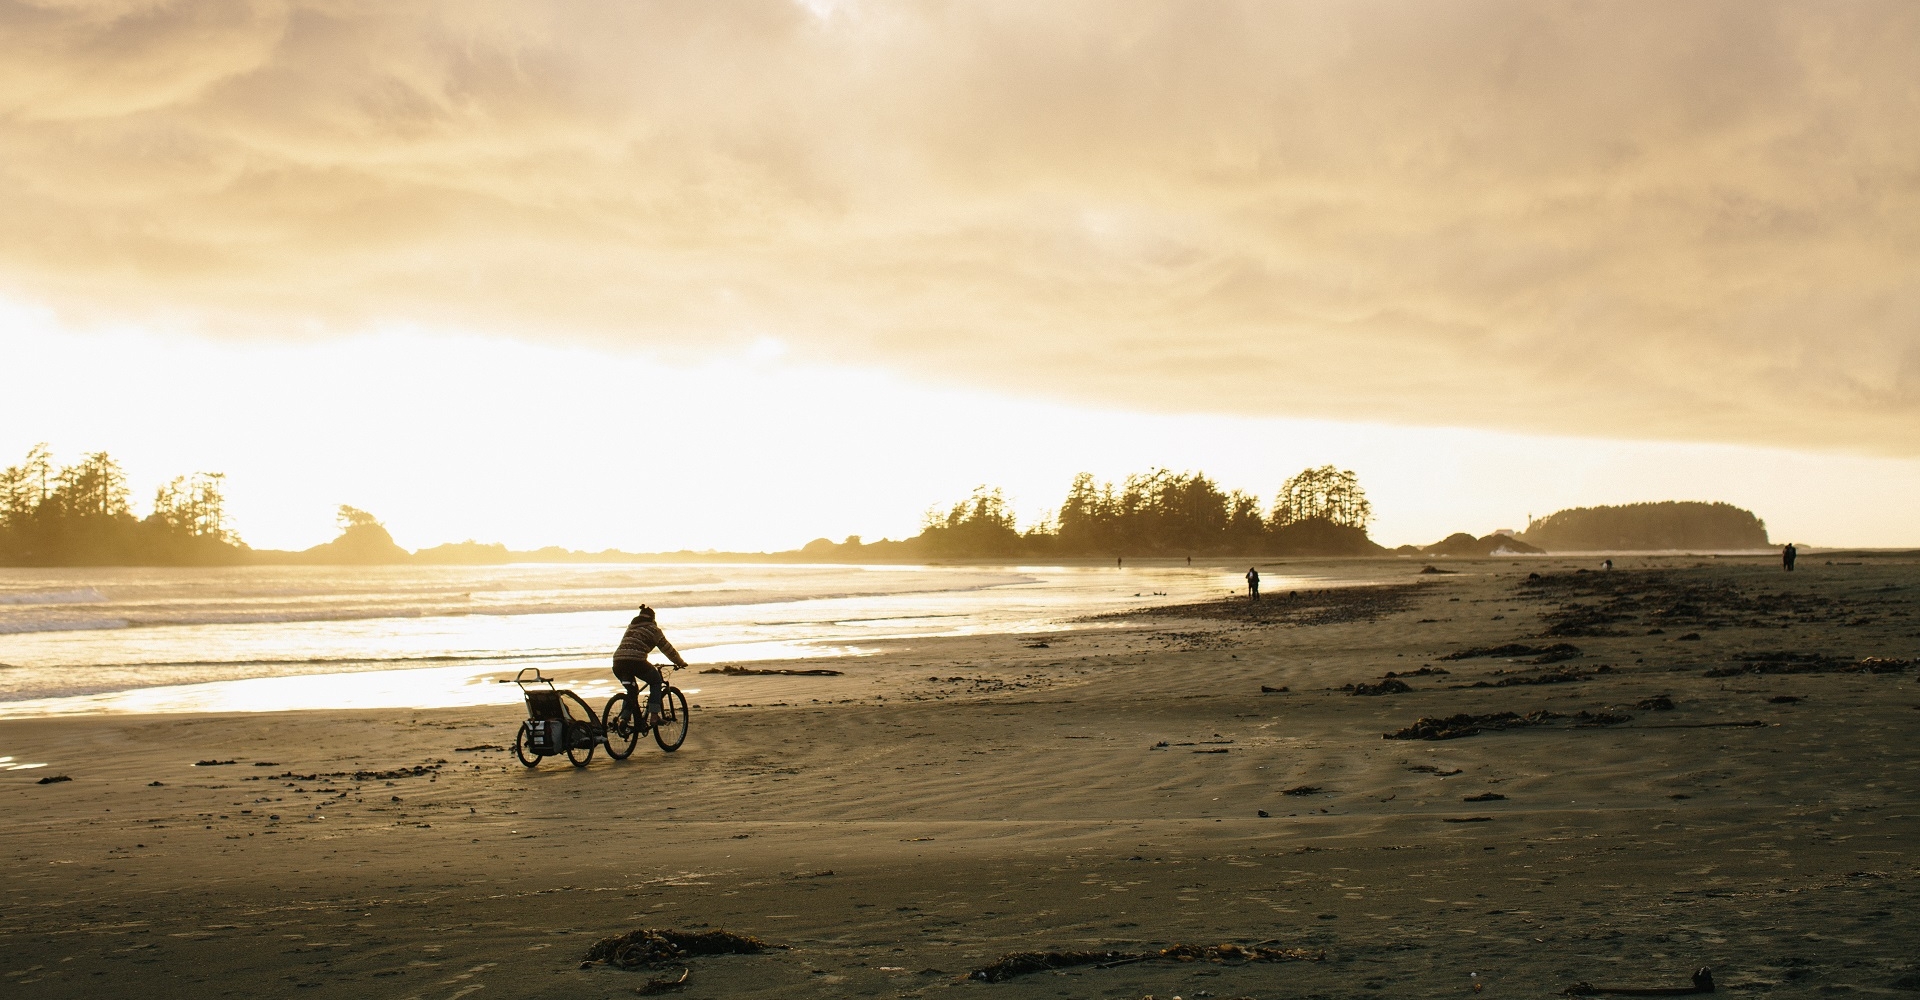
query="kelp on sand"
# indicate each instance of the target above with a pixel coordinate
(1022, 963)
(654, 947)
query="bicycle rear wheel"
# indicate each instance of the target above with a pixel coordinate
(623, 726)
(674, 720)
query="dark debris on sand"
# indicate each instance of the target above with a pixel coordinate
(1780, 662)
(1022, 963)
(772, 672)
(1388, 686)
(1702, 983)
(654, 947)
(1512, 650)
(1455, 727)
(1596, 604)
(1311, 607)
(416, 771)
(1563, 675)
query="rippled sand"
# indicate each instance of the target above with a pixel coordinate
(947, 802)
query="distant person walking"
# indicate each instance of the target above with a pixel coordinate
(1788, 555)
(1253, 584)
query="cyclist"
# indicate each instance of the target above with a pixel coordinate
(630, 661)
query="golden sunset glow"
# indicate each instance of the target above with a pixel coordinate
(987, 498)
(462, 262)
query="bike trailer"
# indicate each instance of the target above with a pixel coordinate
(552, 724)
(546, 723)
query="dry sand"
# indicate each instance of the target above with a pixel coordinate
(955, 800)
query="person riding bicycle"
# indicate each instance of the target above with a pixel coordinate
(630, 660)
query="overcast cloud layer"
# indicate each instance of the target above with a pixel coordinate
(1695, 221)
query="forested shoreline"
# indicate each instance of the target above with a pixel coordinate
(1667, 525)
(1320, 511)
(82, 515)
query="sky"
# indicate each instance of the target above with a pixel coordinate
(740, 274)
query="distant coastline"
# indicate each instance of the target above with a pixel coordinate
(82, 515)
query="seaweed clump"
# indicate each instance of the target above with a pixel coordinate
(1454, 727)
(653, 947)
(1542, 654)
(1021, 963)
(1388, 686)
(1775, 662)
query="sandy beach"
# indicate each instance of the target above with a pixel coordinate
(1193, 775)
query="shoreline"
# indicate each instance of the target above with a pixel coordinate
(798, 558)
(939, 806)
(772, 625)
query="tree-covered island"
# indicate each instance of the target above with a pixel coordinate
(82, 514)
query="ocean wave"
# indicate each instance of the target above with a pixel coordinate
(24, 619)
(372, 662)
(85, 595)
(62, 625)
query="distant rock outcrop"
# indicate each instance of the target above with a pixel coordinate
(1462, 544)
(1322, 537)
(467, 553)
(363, 541)
(1649, 527)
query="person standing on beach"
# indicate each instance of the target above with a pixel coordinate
(1253, 583)
(630, 660)
(1788, 555)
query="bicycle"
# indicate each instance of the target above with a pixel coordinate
(624, 727)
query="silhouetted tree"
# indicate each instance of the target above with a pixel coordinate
(193, 506)
(24, 487)
(1087, 517)
(82, 515)
(350, 518)
(981, 525)
(1245, 529)
(93, 488)
(1324, 494)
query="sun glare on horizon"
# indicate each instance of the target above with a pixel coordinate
(739, 276)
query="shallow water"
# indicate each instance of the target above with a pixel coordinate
(277, 638)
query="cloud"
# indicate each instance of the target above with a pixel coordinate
(1689, 221)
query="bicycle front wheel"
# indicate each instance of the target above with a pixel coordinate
(672, 730)
(623, 726)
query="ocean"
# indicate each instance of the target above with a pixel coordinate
(276, 638)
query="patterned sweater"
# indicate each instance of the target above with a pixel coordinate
(644, 637)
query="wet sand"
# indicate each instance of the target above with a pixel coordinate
(951, 801)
